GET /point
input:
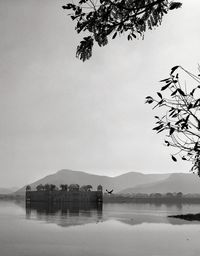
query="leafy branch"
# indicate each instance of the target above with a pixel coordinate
(101, 19)
(181, 120)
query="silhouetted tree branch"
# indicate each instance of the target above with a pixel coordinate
(104, 18)
(182, 117)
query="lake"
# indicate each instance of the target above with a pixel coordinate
(113, 230)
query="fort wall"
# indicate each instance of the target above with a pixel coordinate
(64, 196)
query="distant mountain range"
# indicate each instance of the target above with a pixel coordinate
(117, 183)
(176, 182)
(131, 182)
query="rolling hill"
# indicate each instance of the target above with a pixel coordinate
(117, 183)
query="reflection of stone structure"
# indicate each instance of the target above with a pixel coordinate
(65, 214)
(72, 194)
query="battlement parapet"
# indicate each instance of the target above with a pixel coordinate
(70, 195)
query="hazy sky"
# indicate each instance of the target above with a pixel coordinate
(57, 112)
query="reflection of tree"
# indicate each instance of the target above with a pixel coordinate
(140, 219)
(137, 214)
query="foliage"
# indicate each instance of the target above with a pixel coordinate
(86, 188)
(104, 18)
(74, 187)
(50, 187)
(28, 188)
(40, 187)
(64, 187)
(181, 105)
(47, 187)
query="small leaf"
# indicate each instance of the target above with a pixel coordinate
(157, 128)
(129, 37)
(159, 94)
(190, 106)
(115, 34)
(166, 86)
(173, 69)
(192, 92)
(173, 93)
(149, 100)
(175, 5)
(174, 115)
(172, 112)
(167, 143)
(181, 92)
(166, 80)
(197, 103)
(174, 158)
(171, 131)
(179, 121)
(161, 130)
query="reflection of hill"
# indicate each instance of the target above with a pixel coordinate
(136, 214)
(67, 215)
(152, 219)
(156, 219)
(140, 219)
(64, 215)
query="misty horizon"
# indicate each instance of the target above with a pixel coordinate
(16, 186)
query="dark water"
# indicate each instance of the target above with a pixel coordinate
(114, 230)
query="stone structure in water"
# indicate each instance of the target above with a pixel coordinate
(72, 193)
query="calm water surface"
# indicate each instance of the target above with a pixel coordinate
(115, 230)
